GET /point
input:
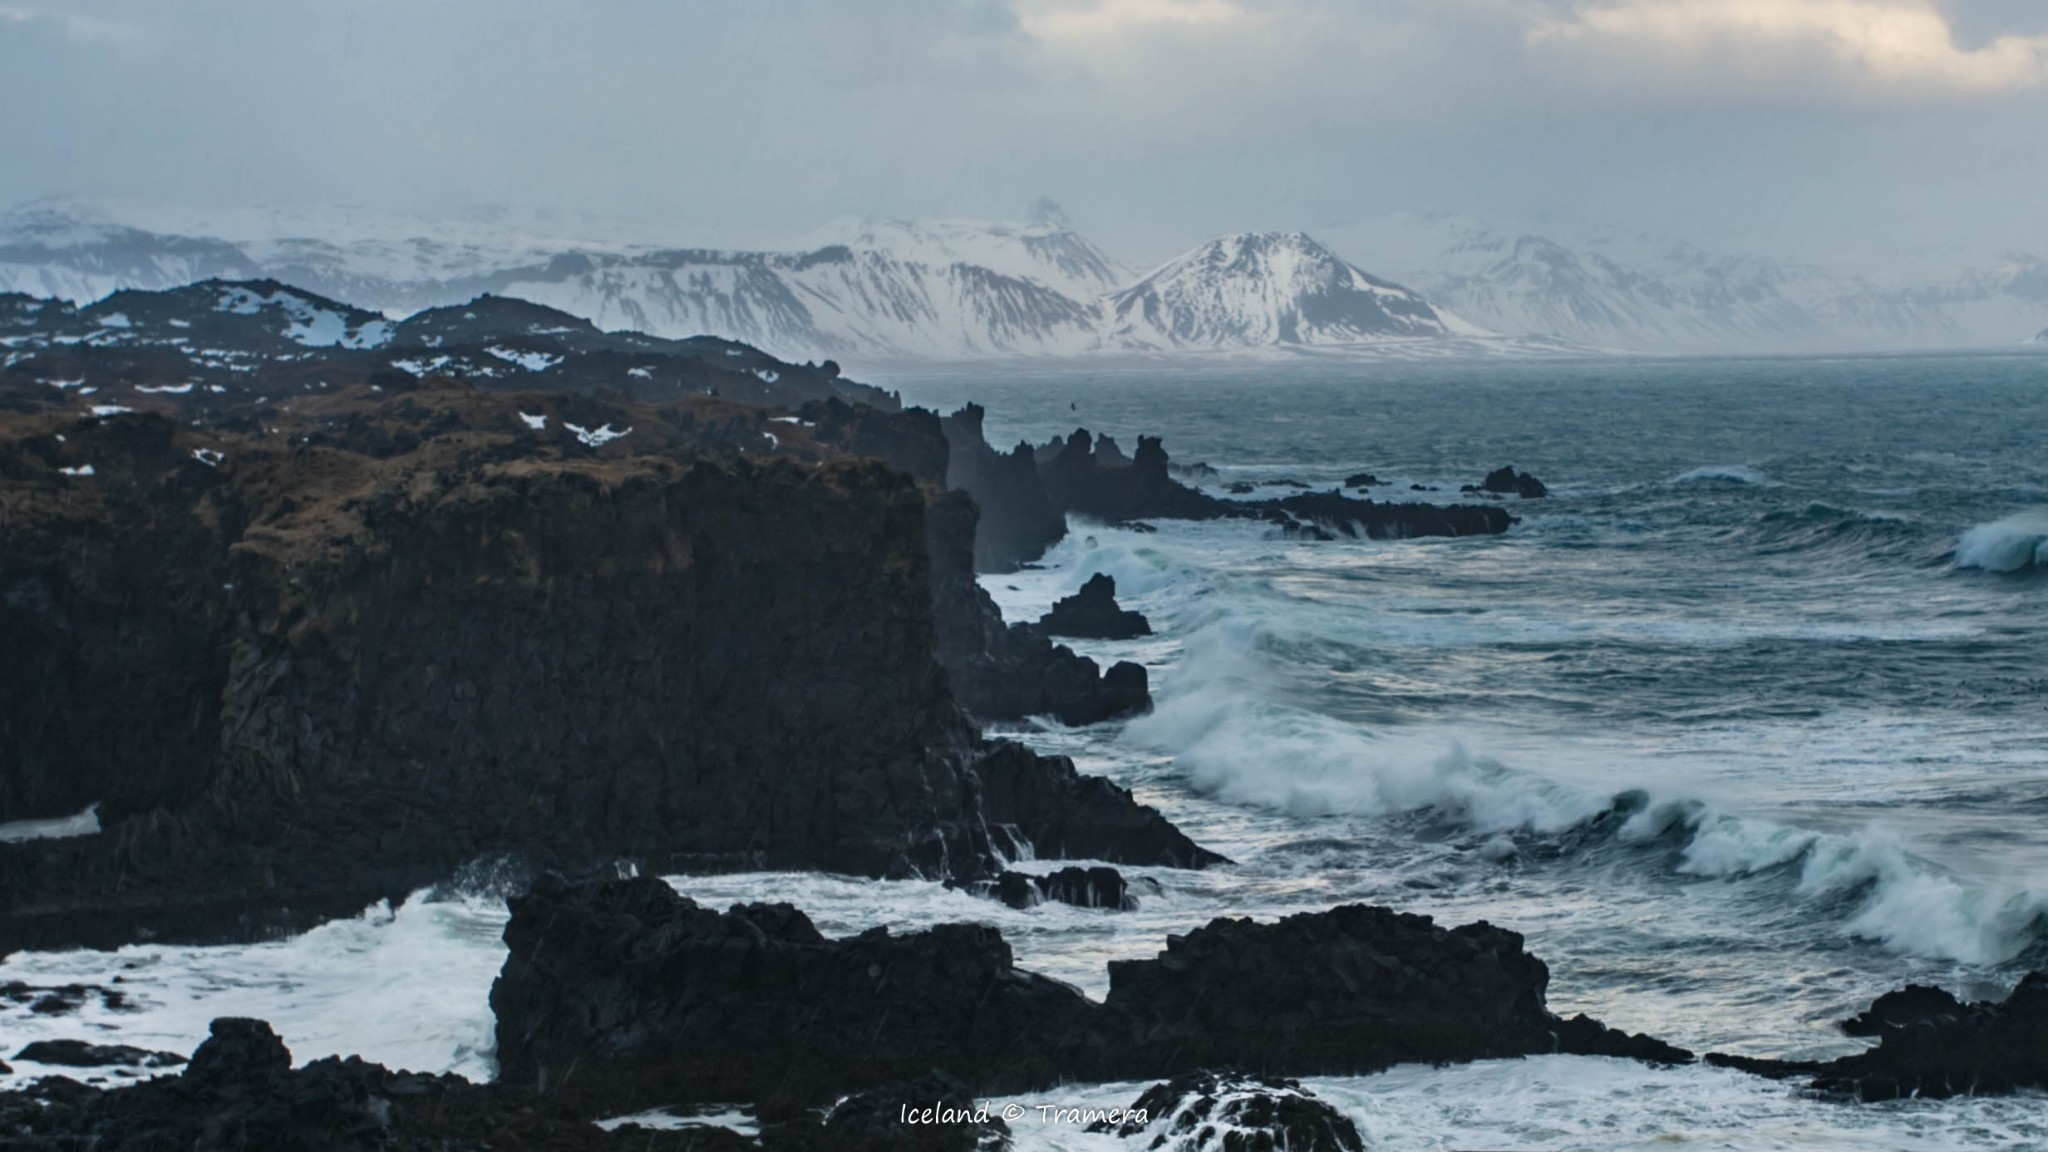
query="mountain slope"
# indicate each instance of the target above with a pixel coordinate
(1659, 294)
(1267, 288)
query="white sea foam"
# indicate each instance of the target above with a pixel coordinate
(84, 823)
(1725, 474)
(1221, 716)
(2014, 543)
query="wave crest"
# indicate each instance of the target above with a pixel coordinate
(2013, 544)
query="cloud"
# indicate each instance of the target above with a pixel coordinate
(73, 25)
(1871, 47)
(1069, 21)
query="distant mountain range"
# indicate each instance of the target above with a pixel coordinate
(960, 290)
(1659, 294)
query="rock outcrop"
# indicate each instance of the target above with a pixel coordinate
(1093, 614)
(1234, 1112)
(1505, 481)
(308, 665)
(241, 1091)
(1931, 1045)
(625, 995)
(1004, 671)
(1096, 887)
(1018, 523)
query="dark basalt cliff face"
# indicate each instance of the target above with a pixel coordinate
(306, 667)
(1018, 520)
(624, 995)
(1010, 671)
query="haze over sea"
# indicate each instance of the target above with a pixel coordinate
(1743, 725)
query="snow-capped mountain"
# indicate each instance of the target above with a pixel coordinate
(1652, 293)
(1267, 288)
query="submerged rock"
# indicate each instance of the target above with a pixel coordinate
(1093, 614)
(1234, 1112)
(1362, 480)
(1932, 1045)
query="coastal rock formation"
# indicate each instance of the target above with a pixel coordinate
(308, 665)
(79, 1054)
(932, 1113)
(1093, 614)
(625, 995)
(1351, 990)
(1931, 1045)
(1096, 887)
(241, 1091)
(1234, 1112)
(1505, 481)
(1004, 671)
(1362, 480)
(1018, 523)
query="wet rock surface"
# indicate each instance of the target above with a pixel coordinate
(624, 994)
(1096, 887)
(1931, 1044)
(1093, 614)
(1234, 1112)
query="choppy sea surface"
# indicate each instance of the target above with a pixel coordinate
(1742, 726)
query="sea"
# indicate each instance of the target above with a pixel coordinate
(1743, 725)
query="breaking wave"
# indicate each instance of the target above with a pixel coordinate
(1725, 474)
(1223, 723)
(2014, 544)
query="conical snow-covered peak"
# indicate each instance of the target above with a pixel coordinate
(1266, 288)
(1047, 252)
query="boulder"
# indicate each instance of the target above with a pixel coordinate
(1097, 887)
(1093, 614)
(1505, 481)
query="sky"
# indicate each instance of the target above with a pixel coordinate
(1812, 128)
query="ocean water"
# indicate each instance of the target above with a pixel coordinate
(1744, 725)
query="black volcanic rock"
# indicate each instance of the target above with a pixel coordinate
(1362, 480)
(1004, 671)
(1348, 991)
(1017, 523)
(1092, 614)
(1234, 1112)
(932, 1113)
(1932, 1045)
(1505, 481)
(1096, 887)
(1068, 816)
(626, 995)
(620, 995)
(80, 1054)
(302, 667)
(241, 1092)
(1147, 490)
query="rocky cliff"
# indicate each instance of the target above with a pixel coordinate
(307, 665)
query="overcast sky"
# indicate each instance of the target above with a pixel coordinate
(1809, 126)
